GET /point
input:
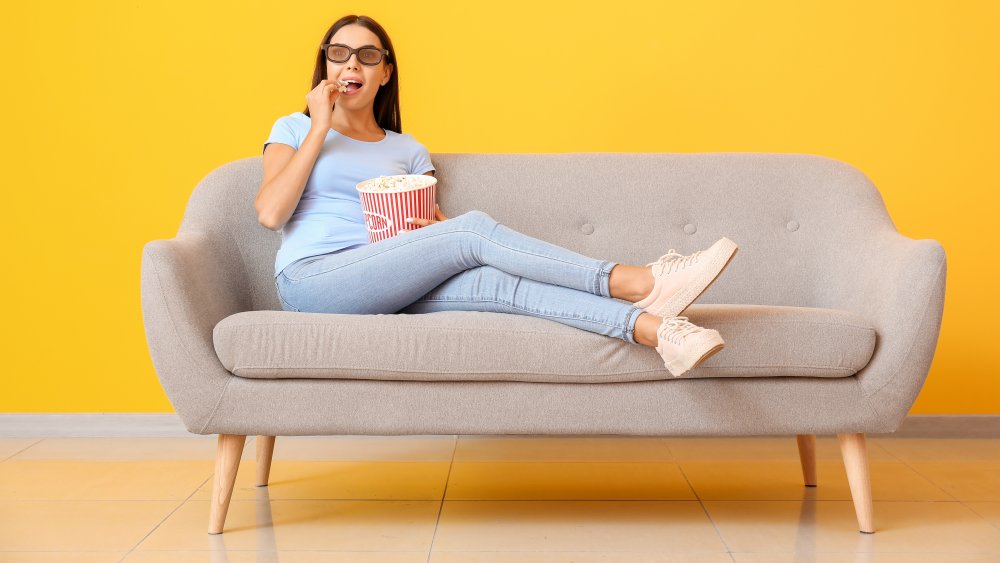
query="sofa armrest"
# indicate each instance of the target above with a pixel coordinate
(189, 283)
(897, 283)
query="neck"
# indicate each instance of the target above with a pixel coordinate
(344, 119)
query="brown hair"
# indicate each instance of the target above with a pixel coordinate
(387, 99)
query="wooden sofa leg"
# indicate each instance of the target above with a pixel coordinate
(227, 463)
(855, 454)
(807, 455)
(265, 449)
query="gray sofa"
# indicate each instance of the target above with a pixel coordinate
(830, 316)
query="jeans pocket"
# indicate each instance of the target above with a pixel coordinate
(284, 304)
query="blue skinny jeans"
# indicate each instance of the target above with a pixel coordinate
(467, 263)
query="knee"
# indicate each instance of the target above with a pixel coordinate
(477, 218)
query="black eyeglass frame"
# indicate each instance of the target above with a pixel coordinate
(325, 47)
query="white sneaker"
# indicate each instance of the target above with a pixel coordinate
(684, 346)
(678, 279)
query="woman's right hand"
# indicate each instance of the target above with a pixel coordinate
(320, 102)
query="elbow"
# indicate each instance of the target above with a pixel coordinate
(265, 220)
(268, 223)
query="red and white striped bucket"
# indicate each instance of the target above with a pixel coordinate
(386, 211)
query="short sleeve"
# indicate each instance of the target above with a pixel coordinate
(420, 162)
(283, 132)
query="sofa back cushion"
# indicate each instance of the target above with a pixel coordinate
(797, 218)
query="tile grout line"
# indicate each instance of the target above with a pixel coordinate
(444, 493)
(919, 474)
(718, 532)
(22, 450)
(164, 519)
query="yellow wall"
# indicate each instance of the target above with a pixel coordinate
(114, 111)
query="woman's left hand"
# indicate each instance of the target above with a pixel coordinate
(424, 222)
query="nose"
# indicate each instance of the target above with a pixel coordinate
(352, 62)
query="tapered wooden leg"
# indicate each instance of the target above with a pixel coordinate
(265, 449)
(807, 455)
(855, 454)
(227, 463)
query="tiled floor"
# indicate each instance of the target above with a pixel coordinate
(447, 499)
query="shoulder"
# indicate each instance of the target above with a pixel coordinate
(406, 139)
(297, 119)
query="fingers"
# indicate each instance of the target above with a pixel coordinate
(419, 221)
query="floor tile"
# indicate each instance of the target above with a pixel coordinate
(101, 480)
(126, 449)
(364, 448)
(761, 448)
(78, 525)
(285, 556)
(613, 526)
(555, 448)
(783, 480)
(342, 525)
(566, 480)
(61, 556)
(940, 449)
(963, 480)
(575, 557)
(864, 558)
(988, 510)
(11, 446)
(832, 526)
(318, 480)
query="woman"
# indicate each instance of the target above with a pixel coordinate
(350, 132)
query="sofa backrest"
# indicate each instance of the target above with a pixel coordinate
(797, 218)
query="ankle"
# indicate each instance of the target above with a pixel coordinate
(631, 283)
(646, 326)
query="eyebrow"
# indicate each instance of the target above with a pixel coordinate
(361, 47)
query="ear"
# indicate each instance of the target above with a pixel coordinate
(388, 74)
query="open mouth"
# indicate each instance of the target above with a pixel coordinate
(353, 87)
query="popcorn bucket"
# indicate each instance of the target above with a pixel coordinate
(388, 200)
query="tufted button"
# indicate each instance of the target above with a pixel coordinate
(690, 229)
(587, 228)
(792, 226)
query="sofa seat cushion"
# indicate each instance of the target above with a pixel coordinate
(761, 341)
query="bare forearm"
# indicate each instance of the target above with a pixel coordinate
(277, 199)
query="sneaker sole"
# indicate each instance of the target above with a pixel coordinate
(681, 301)
(681, 369)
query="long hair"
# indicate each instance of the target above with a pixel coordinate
(387, 99)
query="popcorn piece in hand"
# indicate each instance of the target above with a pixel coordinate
(341, 85)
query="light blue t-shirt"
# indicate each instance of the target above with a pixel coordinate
(328, 217)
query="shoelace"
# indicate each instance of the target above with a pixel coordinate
(676, 329)
(673, 261)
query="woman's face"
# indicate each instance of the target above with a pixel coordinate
(371, 77)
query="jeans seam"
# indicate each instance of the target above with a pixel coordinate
(282, 299)
(438, 235)
(601, 274)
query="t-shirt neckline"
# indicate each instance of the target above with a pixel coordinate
(385, 133)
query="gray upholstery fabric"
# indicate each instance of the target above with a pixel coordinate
(479, 346)
(813, 233)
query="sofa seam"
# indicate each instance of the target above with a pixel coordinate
(173, 326)
(300, 324)
(868, 328)
(913, 343)
(218, 402)
(429, 327)
(532, 372)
